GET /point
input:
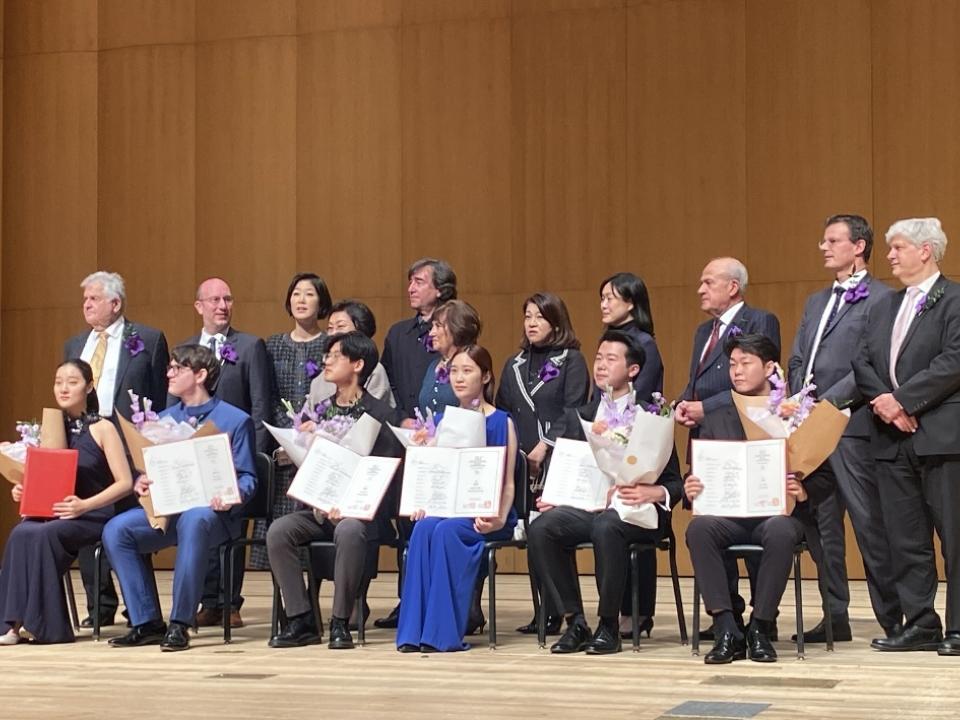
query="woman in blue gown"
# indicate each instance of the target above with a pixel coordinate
(445, 554)
(39, 550)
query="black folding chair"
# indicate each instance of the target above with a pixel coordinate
(260, 507)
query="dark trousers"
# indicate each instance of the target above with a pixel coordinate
(708, 537)
(858, 493)
(107, 592)
(552, 539)
(212, 589)
(920, 494)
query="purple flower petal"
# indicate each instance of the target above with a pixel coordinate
(548, 372)
(311, 368)
(228, 353)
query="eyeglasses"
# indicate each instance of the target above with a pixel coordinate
(174, 369)
(332, 356)
(228, 299)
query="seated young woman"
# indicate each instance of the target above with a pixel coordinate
(40, 550)
(443, 561)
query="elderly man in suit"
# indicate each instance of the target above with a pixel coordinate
(246, 381)
(834, 321)
(723, 283)
(909, 371)
(125, 357)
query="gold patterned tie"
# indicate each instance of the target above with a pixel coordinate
(99, 355)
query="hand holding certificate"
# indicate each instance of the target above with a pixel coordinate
(451, 482)
(740, 479)
(191, 473)
(574, 479)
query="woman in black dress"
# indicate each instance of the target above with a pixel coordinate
(539, 383)
(39, 551)
(297, 358)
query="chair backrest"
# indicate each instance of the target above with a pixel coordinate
(260, 506)
(521, 486)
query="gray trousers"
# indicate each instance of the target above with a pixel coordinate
(289, 532)
(858, 493)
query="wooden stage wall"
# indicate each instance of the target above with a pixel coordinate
(535, 144)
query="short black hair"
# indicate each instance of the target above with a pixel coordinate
(634, 354)
(753, 344)
(355, 346)
(631, 288)
(360, 314)
(859, 230)
(323, 294)
(199, 357)
(444, 278)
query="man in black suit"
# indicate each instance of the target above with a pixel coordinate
(752, 359)
(722, 286)
(407, 352)
(828, 341)
(246, 381)
(126, 357)
(555, 534)
(909, 371)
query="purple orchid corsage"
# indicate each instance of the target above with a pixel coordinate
(442, 374)
(928, 301)
(228, 353)
(132, 341)
(311, 368)
(548, 372)
(861, 291)
(427, 341)
(734, 331)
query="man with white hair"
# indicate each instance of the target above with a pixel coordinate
(909, 371)
(125, 356)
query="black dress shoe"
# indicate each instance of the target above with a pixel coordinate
(177, 638)
(554, 623)
(759, 647)
(950, 644)
(105, 621)
(427, 649)
(818, 633)
(605, 641)
(727, 648)
(645, 626)
(408, 648)
(300, 631)
(573, 640)
(151, 633)
(475, 623)
(710, 633)
(339, 635)
(390, 621)
(913, 638)
(893, 631)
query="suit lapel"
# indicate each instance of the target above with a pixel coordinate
(740, 319)
(823, 299)
(124, 362)
(844, 310)
(518, 362)
(918, 320)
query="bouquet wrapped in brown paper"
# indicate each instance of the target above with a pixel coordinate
(49, 433)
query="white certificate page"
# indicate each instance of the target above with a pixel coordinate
(740, 479)
(190, 473)
(449, 482)
(574, 479)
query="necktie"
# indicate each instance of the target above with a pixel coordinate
(99, 355)
(900, 327)
(212, 344)
(711, 344)
(837, 294)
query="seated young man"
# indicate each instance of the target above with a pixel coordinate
(192, 376)
(350, 359)
(554, 535)
(752, 359)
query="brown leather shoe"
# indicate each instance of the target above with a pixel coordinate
(235, 620)
(209, 617)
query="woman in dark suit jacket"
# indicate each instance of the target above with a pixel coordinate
(625, 306)
(547, 376)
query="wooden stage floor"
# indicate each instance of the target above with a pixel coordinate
(517, 680)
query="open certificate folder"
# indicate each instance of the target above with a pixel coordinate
(190, 473)
(450, 482)
(740, 479)
(574, 479)
(334, 477)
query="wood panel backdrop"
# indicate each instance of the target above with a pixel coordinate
(535, 144)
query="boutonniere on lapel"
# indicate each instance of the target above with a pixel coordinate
(928, 301)
(734, 331)
(311, 368)
(861, 291)
(132, 340)
(550, 370)
(427, 341)
(228, 353)
(442, 373)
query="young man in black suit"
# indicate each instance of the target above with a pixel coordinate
(909, 371)
(125, 356)
(554, 535)
(246, 381)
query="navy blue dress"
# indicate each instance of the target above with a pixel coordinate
(39, 551)
(443, 562)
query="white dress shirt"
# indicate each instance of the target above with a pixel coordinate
(221, 338)
(107, 385)
(729, 314)
(848, 284)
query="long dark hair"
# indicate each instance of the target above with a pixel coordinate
(632, 289)
(554, 311)
(93, 402)
(481, 356)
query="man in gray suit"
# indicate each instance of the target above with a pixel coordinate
(827, 342)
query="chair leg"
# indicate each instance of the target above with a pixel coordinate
(541, 621)
(799, 593)
(492, 595)
(635, 597)
(275, 609)
(226, 578)
(695, 636)
(97, 552)
(677, 597)
(71, 600)
(361, 615)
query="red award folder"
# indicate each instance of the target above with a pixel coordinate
(48, 477)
